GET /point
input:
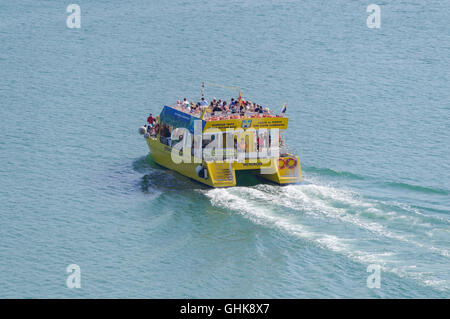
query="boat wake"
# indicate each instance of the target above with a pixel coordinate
(366, 231)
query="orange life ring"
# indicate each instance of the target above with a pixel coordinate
(281, 163)
(291, 162)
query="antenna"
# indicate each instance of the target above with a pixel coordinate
(203, 89)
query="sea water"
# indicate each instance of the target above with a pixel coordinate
(369, 113)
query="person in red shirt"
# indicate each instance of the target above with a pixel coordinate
(151, 119)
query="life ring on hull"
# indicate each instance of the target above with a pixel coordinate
(201, 172)
(291, 162)
(281, 163)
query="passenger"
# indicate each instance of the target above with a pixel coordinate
(202, 107)
(151, 119)
(185, 102)
(166, 131)
(203, 102)
(242, 110)
(261, 110)
(163, 134)
(224, 106)
(216, 109)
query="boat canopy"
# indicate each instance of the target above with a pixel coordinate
(176, 118)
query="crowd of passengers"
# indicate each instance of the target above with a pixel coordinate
(216, 107)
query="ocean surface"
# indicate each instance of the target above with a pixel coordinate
(369, 117)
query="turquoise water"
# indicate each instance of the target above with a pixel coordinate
(369, 116)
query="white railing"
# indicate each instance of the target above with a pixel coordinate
(223, 115)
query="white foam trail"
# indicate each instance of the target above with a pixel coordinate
(226, 199)
(315, 200)
(416, 211)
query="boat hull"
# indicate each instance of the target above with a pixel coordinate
(223, 174)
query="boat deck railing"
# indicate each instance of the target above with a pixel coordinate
(218, 116)
(224, 115)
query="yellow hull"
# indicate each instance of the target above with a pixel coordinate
(223, 174)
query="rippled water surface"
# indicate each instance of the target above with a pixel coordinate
(369, 116)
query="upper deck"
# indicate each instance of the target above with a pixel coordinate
(178, 116)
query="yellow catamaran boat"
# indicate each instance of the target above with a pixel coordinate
(212, 147)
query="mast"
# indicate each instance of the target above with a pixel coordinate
(203, 89)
